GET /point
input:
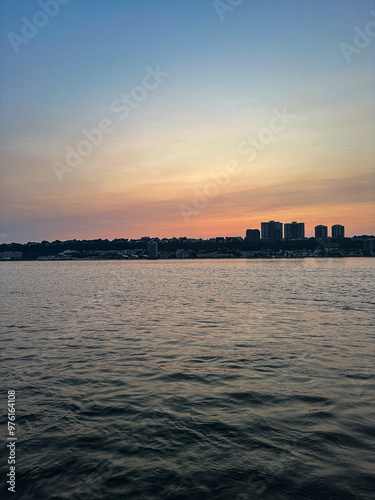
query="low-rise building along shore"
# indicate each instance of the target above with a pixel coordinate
(191, 248)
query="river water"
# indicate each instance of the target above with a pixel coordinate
(190, 379)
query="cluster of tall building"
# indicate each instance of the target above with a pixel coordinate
(337, 231)
(292, 231)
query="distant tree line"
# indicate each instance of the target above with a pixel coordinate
(233, 245)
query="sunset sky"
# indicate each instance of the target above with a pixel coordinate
(269, 92)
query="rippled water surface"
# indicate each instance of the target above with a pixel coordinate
(215, 379)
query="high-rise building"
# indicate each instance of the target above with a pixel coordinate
(294, 231)
(321, 231)
(252, 235)
(152, 249)
(338, 231)
(272, 230)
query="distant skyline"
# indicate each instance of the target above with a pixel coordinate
(153, 118)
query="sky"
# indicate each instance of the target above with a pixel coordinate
(197, 118)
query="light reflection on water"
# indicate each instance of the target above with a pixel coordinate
(191, 379)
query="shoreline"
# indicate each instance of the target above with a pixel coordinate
(141, 259)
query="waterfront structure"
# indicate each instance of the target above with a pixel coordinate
(11, 255)
(152, 249)
(321, 231)
(294, 231)
(181, 253)
(272, 230)
(338, 231)
(252, 235)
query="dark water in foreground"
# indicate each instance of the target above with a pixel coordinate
(190, 380)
